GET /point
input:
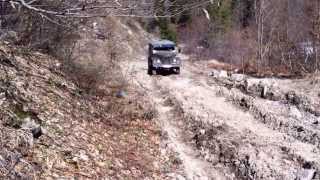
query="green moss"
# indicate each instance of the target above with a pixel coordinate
(20, 113)
(20, 116)
(16, 121)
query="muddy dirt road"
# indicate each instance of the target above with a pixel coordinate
(222, 132)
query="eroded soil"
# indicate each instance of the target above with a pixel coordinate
(225, 130)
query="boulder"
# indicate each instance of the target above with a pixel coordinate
(219, 74)
(265, 88)
(264, 91)
(294, 112)
(10, 36)
(238, 77)
(306, 174)
(32, 126)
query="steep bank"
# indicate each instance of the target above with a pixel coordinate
(50, 128)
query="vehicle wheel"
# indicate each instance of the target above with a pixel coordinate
(149, 70)
(154, 72)
(177, 71)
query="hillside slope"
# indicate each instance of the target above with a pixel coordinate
(49, 128)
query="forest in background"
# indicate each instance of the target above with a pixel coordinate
(258, 35)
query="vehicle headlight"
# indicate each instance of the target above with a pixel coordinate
(174, 60)
(156, 61)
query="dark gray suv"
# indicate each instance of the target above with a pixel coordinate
(163, 56)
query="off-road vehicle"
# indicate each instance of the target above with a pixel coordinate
(162, 55)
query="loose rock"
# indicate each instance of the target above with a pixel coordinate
(307, 174)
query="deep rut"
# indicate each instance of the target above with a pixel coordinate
(195, 167)
(216, 139)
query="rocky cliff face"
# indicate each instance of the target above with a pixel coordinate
(49, 128)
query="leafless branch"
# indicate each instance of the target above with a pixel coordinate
(107, 8)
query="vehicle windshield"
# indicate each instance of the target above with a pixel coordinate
(164, 48)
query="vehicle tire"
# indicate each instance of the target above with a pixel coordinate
(149, 70)
(154, 72)
(177, 71)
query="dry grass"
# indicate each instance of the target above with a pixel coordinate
(221, 66)
(88, 138)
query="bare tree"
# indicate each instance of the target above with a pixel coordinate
(316, 34)
(102, 8)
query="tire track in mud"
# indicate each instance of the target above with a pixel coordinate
(224, 146)
(282, 117)
(277, 116)
(195, 168)
(242, 149)
(281, 114)
(233, 141)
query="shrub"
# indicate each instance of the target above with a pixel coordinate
(93, 64)
(167, 30)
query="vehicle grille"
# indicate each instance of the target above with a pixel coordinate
(166, 61)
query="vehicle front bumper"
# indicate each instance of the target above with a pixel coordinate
(166, 66)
